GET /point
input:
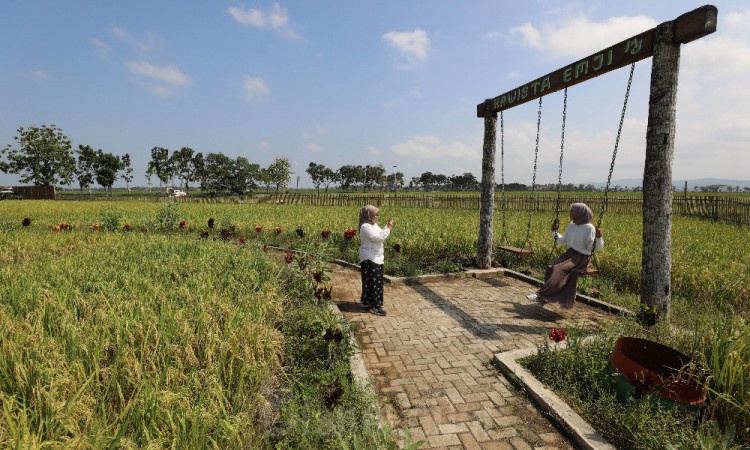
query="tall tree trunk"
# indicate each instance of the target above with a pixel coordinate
(657, 175)
(487, 202)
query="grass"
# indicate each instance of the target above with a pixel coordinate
(580, 374)
(162, 339)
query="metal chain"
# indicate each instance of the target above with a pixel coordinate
(533, 179)
(614, 155)
(503, 236)
(559, 171)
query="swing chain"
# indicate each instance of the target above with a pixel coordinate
(562, 152)
(533, 179)
(556, 224)
(614, 155)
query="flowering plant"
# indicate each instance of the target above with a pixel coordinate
(95, 227)
(350, 233)
(183, 224)
(26, 222)
(211, 222)
(279, 230)
(259, 229)
(325, 233)
(558, 335)
(300, 232)
(289, 257)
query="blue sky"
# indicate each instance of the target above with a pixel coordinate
(366, 82)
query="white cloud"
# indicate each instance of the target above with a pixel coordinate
(738, 20)
(433, 147)
(373, 150)
(254, 89)
(140, 45)
(276, 19)
(100, 45)
(414, 46)
(40, 74)
(491, 35)
(314, 147)
(170, 74)
(578, 37)
(320, 130)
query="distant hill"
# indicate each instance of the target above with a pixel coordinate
(691, 183)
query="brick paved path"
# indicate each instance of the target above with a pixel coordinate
(430, 358)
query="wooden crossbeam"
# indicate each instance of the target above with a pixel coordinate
(688, 27)
(515, 250)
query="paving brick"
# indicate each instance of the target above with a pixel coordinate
(430, 358)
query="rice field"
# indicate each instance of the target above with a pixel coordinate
(167, 335)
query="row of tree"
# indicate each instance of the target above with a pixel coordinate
(44, 156)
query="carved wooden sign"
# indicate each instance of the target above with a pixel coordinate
(688, 27)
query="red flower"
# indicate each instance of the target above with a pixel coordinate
(318, 276)
(325, 233)
(204, 235)
(127, 227)
(265, 247)
(64, 226)
(259, 229)
(279, 230)
(289, 257)
(350, 233)
(323, 292)
(241, 241)
(558, 335)
(183, 223)
(95, 227)
(26, 222)
(302, 263)
(397, 248)
(211, 222)
(56, 228)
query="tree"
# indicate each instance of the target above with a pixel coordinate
(181, 163)
(347, 176)
(160, 164)
(44, 156)
(107, 166)
(374, 175)
(86, 167)
(245, 175)
(219, 171)
(128, 170)
(280, 172)
(199, 168)
(329, 176)
(317, 173)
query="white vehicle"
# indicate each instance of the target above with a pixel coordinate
(176, 193)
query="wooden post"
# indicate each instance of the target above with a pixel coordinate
(657, 174)
(487, 200)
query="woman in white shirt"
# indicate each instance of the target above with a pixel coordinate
(561, 277)
(372, 257)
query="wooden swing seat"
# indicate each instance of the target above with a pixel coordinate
(589, 272)
(515, 250)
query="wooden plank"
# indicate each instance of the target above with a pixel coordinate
(688, 27)
(515, 250)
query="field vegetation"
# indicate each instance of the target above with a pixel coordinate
(115, 331)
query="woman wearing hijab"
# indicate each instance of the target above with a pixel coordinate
(561, 277)
(371, 258)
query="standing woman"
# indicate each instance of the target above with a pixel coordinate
(561, 277)
(371, 258)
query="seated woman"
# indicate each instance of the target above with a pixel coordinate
(561, 276)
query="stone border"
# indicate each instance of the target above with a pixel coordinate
(583, 433)
(360, 374)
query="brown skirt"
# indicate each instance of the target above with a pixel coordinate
(561, 278)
